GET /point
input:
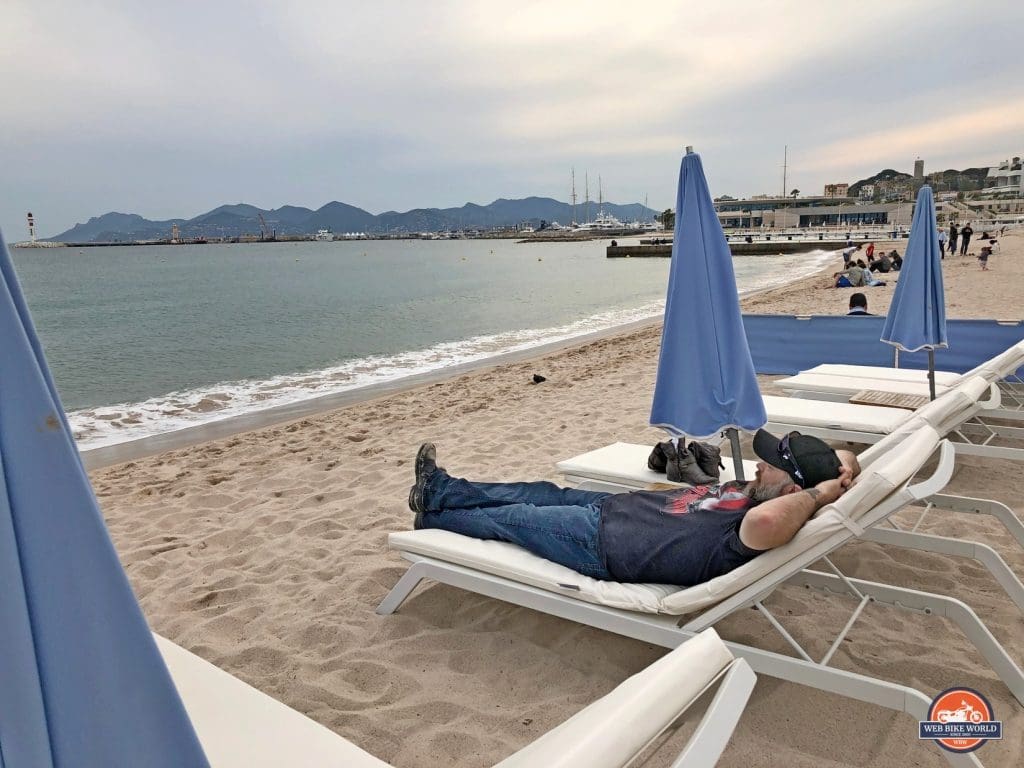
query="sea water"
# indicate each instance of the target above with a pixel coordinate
(148, 339)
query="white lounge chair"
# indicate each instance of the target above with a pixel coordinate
(622, 466)
(240, 726)
(651, 612)
(870, 423)
(840, 382)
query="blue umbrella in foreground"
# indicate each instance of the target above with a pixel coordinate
(81, 680)
(706, 381)
(917, 315)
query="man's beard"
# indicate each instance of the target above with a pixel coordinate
(760, 493)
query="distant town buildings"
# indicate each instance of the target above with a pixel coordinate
(1005, 178)
(919, 171)
(837, 190)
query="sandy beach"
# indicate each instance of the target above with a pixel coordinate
(265, 553)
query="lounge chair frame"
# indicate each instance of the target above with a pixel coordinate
(891, 534)
(975, 435)
(670, 631)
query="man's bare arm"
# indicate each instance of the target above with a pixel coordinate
(776, 521)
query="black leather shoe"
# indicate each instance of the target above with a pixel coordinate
(709, 458)
(683, 468)
(658, 459)
(426, 465)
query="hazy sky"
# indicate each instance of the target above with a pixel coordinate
(169, 109)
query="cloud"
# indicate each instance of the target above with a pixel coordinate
(164, 109)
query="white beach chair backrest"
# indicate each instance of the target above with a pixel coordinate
(879, 491)
(1000, 366)
(944, 413)
(640, 707)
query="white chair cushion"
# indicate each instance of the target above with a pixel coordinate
(849, 385)
(626, 463)
(914, 375)
(825, 414)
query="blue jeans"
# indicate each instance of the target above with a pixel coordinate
(558, 524)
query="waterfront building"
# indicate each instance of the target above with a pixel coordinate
(1005, 178)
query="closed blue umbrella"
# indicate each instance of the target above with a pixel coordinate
(917, 315)
(706, 381)
(81, 681)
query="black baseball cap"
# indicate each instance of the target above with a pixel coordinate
(807, 459)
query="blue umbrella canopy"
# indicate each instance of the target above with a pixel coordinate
(706, 381)
(917, 314)
(81, 681)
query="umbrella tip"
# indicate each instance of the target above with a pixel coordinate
(689, 150)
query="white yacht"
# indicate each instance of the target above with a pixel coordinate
(324, 234)
(603, 221)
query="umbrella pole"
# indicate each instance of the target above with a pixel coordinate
(737, 457)
(931, 373)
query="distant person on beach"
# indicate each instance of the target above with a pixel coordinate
(953, 234)
(986, 251)
(965, 239)
(869, 252)
(942, 242)
(882, 264)
(858, 305)
(871, 280)
(848, 253)
(897, 261)
(682, 536)
(851, 277)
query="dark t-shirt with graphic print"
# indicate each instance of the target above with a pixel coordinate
(682, 536)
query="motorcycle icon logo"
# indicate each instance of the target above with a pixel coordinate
(960, 720)
(965, 714)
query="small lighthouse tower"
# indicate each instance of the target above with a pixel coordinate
(31, 226)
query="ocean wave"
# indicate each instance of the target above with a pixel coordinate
(108, 425)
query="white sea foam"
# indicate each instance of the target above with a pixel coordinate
(107, 425)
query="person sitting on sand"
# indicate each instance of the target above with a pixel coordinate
(882, 264)
(858, 305)
(851, 277)
(897, 260)
(681, 536)
(870, 279)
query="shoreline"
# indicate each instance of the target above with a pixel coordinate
(130, 450)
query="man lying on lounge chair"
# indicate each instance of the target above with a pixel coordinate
(681, 536)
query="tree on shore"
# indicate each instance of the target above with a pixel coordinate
(667, 219)
(795, 194)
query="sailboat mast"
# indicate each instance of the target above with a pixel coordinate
(574, 196)
(785, 158)
(586, 194)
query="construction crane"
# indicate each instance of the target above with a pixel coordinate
(266, 234)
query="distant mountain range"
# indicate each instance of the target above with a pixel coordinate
(241, 219)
